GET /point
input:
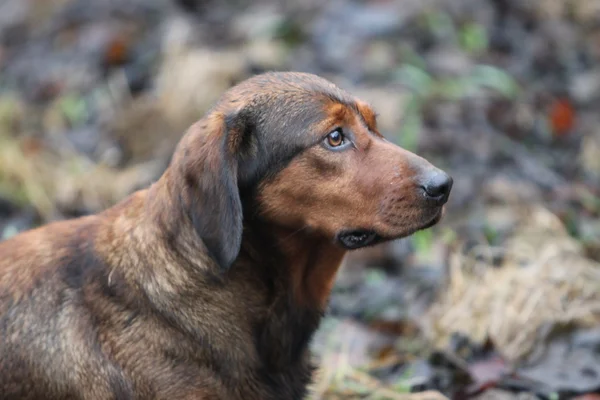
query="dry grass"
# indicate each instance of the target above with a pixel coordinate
(32, 174)
(351, 383)
(50, 174)
(346, 351)
(543, 282)
(338, 379)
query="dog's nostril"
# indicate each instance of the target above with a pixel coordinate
(438, 185)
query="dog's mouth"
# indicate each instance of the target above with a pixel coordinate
(437, 218)
(358, 238)
(428, 223)
(355, 239)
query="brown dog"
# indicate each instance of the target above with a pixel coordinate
(210, 284)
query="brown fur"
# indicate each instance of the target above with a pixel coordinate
(210, 283)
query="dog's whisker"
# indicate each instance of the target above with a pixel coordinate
(295, 233)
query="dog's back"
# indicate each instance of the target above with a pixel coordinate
(46, 334)
(71, 329)
(74, 326)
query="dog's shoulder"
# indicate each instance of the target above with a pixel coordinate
(42, 280)
(65, 254)
(36, 255)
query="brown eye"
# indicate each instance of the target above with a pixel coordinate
(336, 138)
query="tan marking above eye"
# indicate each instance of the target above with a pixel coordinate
(367, 114)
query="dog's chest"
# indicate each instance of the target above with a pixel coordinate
(227, 376)
(269, 361)
(282, 343)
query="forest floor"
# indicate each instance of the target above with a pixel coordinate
(499, 301)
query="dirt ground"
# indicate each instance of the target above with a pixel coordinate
(499, 301)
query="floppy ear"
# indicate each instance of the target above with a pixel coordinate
(211, 195)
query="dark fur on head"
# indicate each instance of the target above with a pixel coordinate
(236, 151)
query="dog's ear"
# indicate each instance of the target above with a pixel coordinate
(210, 154)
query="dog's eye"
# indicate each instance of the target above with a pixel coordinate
(336, 138)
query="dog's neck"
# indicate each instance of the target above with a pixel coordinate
(306, 260)
(299, 268)
(312, 262)
(290, 270)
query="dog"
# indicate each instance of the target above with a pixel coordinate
(210, 283)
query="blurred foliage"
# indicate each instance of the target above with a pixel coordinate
(74, 108)
(531, 69)
(473, 38)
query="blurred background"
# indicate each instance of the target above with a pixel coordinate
(499, 301)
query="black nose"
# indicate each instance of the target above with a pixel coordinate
(437, 187)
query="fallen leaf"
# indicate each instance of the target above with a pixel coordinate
(117, 52)
(487, 372)
(562, 117)
(589, 396)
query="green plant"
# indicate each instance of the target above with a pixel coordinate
(423, 242)
(425, 88)
(473, 38)
(74, 108)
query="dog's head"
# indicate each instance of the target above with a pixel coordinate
(313, 159)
